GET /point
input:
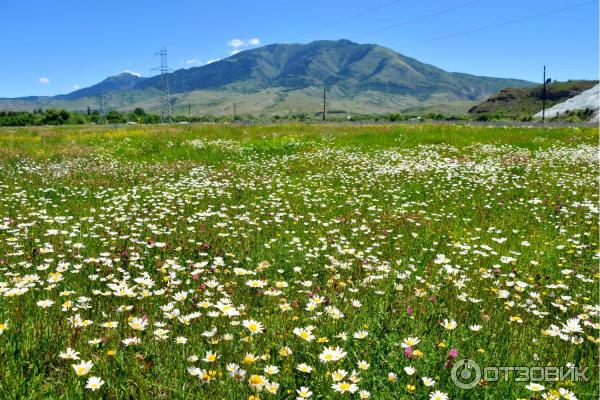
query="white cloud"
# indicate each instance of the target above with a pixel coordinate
(193, 61)
(132, 73)
(76, 87)
(197, 61)
(237, 45)
(44, 80)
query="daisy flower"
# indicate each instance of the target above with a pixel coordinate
(45, 303)
(138, 324)
(410, 342)
(428, 381)
(257, 382)
(303, 393)
(535, 387)
(69, 354)
(271, 370)
(253, 326)
(304, 333)
(83, 367)
(338, 375)
(304, 368)
(450, 325)
(363, 365)
(437, 395)
(409, 370)
(94, 383)
(360, 334)
(210, 357)
(343, 387)
(332, 354)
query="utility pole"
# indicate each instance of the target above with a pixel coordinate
(324, 104)
(544, 97)
(103, 110)
(165, 98)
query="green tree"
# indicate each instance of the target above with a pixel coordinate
(53, 116)
(114, 117)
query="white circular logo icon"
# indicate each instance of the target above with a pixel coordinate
(466, 374)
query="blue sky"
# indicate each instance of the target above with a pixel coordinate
(52, 47)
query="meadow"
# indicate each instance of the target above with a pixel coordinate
(296, 262)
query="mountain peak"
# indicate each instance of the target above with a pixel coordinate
(127, 74)
(116, 83)
(336, 42)
(342, 65)
(357, 77)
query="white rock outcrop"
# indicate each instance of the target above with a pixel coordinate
(587, 99)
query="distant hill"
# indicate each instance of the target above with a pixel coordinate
(289, 78)
(525, 102)
(585, 105)
(117, 83)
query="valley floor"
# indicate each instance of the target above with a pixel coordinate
(298, 261)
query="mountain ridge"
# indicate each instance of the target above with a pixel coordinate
(115, 83)
(374, 75)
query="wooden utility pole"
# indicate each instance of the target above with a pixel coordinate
(324, 104)
(544, 97)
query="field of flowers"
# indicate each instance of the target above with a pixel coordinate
(296, 262)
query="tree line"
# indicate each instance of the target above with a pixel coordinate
(54, 116)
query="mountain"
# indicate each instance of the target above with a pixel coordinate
(289, 78)
(117, 83)
(118, 92)
(525, 102)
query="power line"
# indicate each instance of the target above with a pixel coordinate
(341, 21)
(512, 21)
(421, 18)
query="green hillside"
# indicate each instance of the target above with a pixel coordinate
(289, 78)
(525, 102)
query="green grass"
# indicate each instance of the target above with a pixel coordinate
(344, 213)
